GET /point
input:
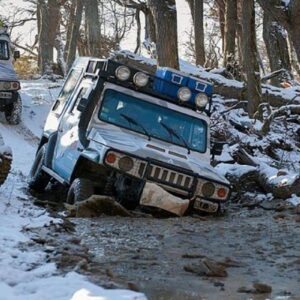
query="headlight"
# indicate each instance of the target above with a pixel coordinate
(126, 164)
(184, 94)
(123, 162)
(212, 190)
(9, 85)
(201, 100)
(123, 73)
(6, 85)
(140, 79)
(208, 189)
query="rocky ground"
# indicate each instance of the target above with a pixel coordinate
(248, 253)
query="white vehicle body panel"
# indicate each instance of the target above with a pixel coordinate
(104, 136)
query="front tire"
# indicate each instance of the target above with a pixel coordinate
(38, 179)
(13, 112)
(80, 190)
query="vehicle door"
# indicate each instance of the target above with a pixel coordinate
(67, 149)
(60, 104)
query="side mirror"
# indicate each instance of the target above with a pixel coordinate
(217, 148)
(82, 104)
(17, 55)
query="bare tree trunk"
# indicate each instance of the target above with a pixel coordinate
(239, 32)
(69, 28)
(165, 19)
(54, 21)
(150, 32)
(44, 46)
(199, 32)
(75, 33)
(191, 5)
(138, 32)
(250, 57)
(288, 17)
(221, 8)
(230, 30)
(93, 28)
(277, 46)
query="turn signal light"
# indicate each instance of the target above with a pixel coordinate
(222, 192)
(111, 158)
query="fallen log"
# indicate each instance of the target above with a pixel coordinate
(227, 88)
(281, 183)
(282, 111)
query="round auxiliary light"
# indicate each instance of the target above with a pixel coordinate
(111, 158)
(140, 79)
(6, 85)
(222, 192)
(184, 94)
(126, 163)
(123, 73)
(15, 85)
(208, 189)
(201, 100)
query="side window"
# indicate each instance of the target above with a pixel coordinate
(4, 50)
(67, 91)
(78, 98)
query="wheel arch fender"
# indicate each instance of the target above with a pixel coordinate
(88, 156)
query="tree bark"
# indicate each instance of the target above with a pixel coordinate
(165, 19)
(250, 57)
(93, 28)
(199, 32)
(150, 32)
(69, 28)
(74, 33)
(289, 17)
(230, 30)
(277, 46)
(221, 7)
(44, 45)
(54, 22)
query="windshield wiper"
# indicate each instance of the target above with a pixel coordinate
(134, 122)
(171, 131)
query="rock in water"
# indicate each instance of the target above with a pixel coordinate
(262, 288)
(95, 206)
(207, 267)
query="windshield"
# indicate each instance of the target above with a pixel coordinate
(153, 120)
(4, 50)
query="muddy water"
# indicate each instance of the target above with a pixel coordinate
(152, 253)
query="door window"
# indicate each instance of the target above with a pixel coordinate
(67, 91)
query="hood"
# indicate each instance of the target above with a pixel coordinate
(139, 145)
(7, 71)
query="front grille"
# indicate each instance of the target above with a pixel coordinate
(169, 177)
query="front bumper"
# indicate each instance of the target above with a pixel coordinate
(8, 97)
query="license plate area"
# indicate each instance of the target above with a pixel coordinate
(5, 95)
(207, 206)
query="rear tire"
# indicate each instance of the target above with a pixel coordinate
(38, 179)
(80, 190)
(13, 112)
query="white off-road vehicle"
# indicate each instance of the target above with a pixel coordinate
(114, 128)
(10, 100)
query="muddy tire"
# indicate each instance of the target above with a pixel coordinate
(13, 112)
(5, 166)
(80, 190)
(38, 179)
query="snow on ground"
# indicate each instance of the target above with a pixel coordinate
(26, 275)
